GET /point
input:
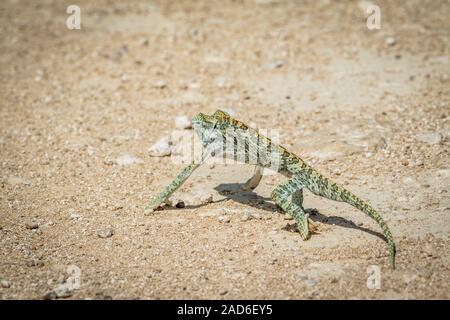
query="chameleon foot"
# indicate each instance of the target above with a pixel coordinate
(313, 227)
(307, 227)
(303, 227)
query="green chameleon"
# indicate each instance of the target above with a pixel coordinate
(248, 146)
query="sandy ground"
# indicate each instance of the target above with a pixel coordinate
(81, 108)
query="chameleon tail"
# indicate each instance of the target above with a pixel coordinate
(348, 197)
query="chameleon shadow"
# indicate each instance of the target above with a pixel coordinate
(235, 192)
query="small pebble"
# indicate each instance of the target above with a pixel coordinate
(430, 138)
(309, 282)
(390, 41)
(207, 198)
(5, 284)
(256, 216)
(74, 215)
(161, 84)
(51, 295)
(102, 296)
(180, 204)
(429, 250)
(183, 122)
(275, 65)
(419, 163)
(161, 148)
(246, 216)
(118, 53)
(127, 159)
(224, 219)
(106, 232)
(223, 292)
(32, 225)
(63, 291)
(144, 42)
(34, 263)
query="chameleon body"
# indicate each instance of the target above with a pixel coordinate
(246, 145)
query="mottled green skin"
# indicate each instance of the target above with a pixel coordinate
(300, 175)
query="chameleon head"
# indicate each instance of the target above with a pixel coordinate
(204, 126)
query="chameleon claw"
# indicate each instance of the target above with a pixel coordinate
(148, 211)
(307, 228)
(313, 227)
(153, 206)
(303, 228)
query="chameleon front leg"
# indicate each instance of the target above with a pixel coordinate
(281, 196)
(172, 187)
(155, 202)
(254, 181)
(180, 179)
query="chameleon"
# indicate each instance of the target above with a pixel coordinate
(257, 149)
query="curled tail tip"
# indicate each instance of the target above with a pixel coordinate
(393, 263)
(392, 255)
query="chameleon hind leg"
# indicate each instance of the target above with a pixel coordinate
(254, 181)
(297, 198)
(172, 187)
(294, 207)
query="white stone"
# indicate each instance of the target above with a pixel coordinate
(430, 138)
(74, 215)
(182, 122)
(275, 65)
(224, 219)
(390, 41)
(127, 159)
(206, 198)
(161, 148)
(161, 84)
(246, 216)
